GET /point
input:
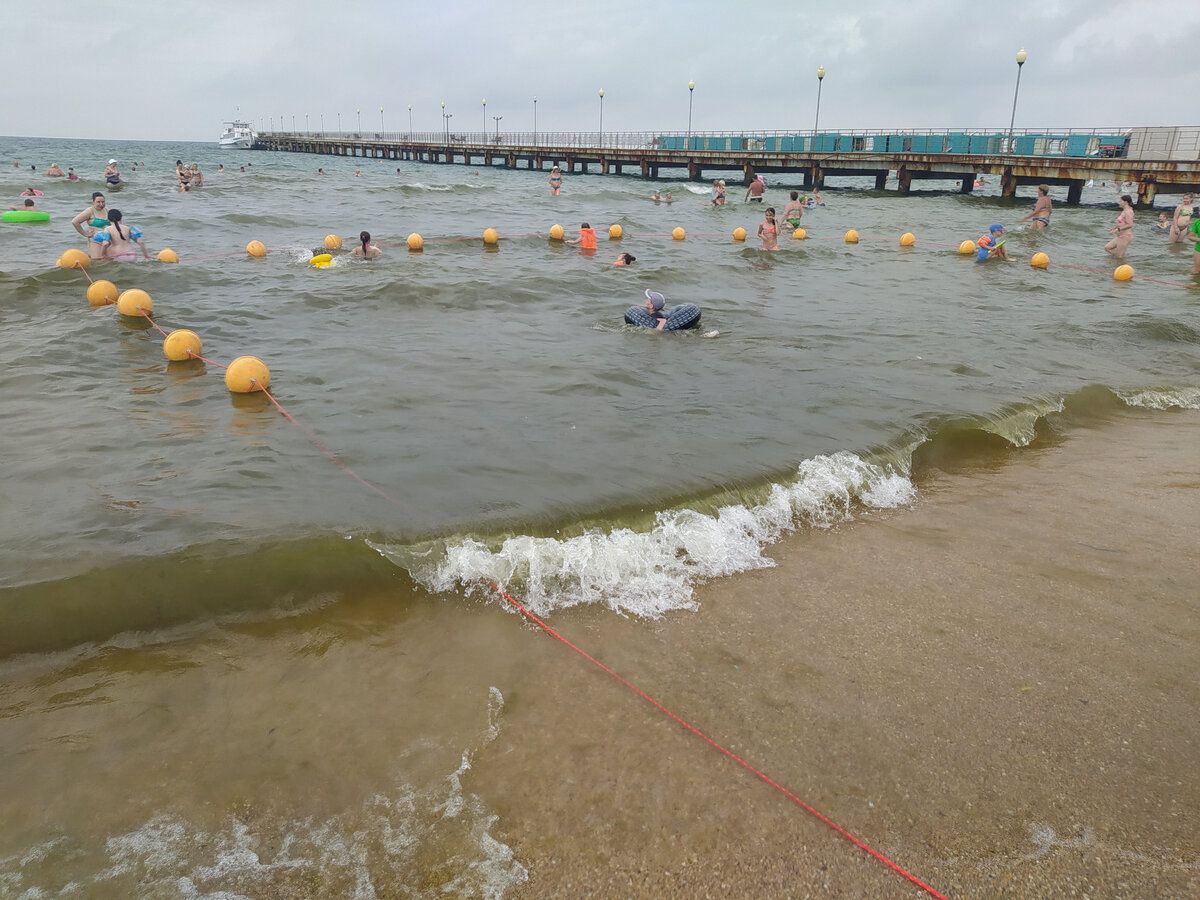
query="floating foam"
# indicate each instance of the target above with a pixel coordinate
(1182, 398)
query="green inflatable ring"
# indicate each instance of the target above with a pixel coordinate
(25, 215)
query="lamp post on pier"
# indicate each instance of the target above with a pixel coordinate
(293, 123)
(410, 123)
(535, 121)
(485, 120)
(360, 123)
(691, 89)
(1021, 56)
(381, 121)
(339, 123)
(497, 121)
(306, 123)
(817, 117)
(601, 117)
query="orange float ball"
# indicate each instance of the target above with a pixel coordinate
(851, 236)
(73, 258)
(256, 249)
(166, 254)
(614, 233)
(182, 344)
(246, 374)
(556, 232)
(490, 236)
(799, 234)
(415, 242)
(1040, 261)
(333, 242)
(679, 234)
(1123, 272)
(966, 248)
(101, 293)
(739, 234)
(907, 239)
(134, 302)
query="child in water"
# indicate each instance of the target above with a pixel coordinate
(625, 259)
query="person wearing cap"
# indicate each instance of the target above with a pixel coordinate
(990, 245)
(654, 305)
(110, 172)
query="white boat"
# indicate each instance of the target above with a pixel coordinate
(236, 136)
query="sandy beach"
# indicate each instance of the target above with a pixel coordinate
(996, 689)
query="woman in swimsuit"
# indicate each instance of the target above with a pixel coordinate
(1181, 219)
(555, 181)
(769, 231)
(92, 218)
(110, 172)
(718, 193)
(794, 211)
(115, 242)
(1041, 209)
(367, 250)
(1123, 230)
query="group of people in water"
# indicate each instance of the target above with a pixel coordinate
(188, 176)
(107, 235)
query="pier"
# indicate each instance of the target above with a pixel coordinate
(1154, 158)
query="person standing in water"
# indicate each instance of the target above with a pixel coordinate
(769, 230)
(115, 242)
(586, 240)
(794, 210)
(1041, 209)
(93, 218)
(1123, 230)
(110, 172)
(367, 250)
(555, 181)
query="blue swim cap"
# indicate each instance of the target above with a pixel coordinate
(996, 227)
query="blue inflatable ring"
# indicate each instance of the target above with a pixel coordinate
(685, 315)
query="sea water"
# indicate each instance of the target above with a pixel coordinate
(462, 416)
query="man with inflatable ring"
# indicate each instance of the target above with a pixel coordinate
(990, 245)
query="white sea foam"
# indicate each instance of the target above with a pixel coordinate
(648, 573)
(379, 849)
(1183, 398)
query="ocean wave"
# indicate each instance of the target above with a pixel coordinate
(1166, 398)
(649, 573)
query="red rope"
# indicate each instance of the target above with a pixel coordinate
(741, 762)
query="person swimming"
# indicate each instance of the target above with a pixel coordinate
(990, 246)
(114, 242)
(93, 218)
(625, 259)
(367, 250)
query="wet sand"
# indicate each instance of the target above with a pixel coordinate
(996, 689)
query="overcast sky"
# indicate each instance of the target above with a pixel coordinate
(138, 69)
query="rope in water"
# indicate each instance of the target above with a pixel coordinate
(737, 759)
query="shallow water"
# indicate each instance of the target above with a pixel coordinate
(510, 427)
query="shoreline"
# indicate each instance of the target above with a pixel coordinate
(994, 688)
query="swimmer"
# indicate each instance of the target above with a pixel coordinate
(990, 246)
(667, 198)
(769, 230)
(718, 193)
(220, 168)
(31, 192)
(657, 198)
(29, 205)
(115, 242)
(653, 304)
(243, 169)
(818, 200)
(1163, 226)
(625, 259)
(367, 250)
(71, 176)
(1181, 219)
(197, 176)
(357, 173)
(555, 180)
(93, 218)
(794, 210)
(1123, 230)
(110, 172)
(586, 239)
(16, 165)
(319, 171)
(756, 188)
(1041, 209)
(54, 171)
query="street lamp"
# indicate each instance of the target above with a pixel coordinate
(691, 88)
(339, 123)
(322, 123)
(293, 123)
(360, 122)
(601, 117)
(535, 120)
(497, 121)
(381, 120)
(306, 123)
(446, 117)
(410, 123)
(1020, 62)
(485, 119)
(817, 118)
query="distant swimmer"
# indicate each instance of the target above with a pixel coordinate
(220, 168)
(817, 199)
(718, 193)
(1041, 209)
(30, 205)
(111, 175)
(367, 250)
(319, 171)
(1164, 224)
(652, 315)
(794, 210)
(115, 242)
(657, 198)
(625, 259)
(71, 176)
(555, 180)
(990, 246)
(31, 192)
(93, 218)
(54, 171)
(357, 173)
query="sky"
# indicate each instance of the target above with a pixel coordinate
(138, 70)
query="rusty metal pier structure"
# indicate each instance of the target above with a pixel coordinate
(1154, 159)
